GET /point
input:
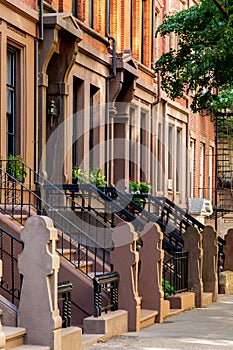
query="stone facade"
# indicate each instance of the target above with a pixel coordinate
(97, 64)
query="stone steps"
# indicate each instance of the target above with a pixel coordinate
(14, 336)
(148, 317)
(90, 339)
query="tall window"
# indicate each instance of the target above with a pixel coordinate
(143, 148)
(93, 130)
(170, 155)
(91, 13)
(11, 141)
(191, 167)
(202, 164)
(159, 158)
(131, 144)
(131, 24)
(143, 31)
(178, 159)
(75, 8)
(210, 178)
(77, 121)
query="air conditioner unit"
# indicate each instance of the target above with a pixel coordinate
(169, 184)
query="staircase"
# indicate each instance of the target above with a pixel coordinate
(224, 153)
(81, 212)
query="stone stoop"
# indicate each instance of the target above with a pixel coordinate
(71, 338)
(147, 318)
(178, 303)
(90, 339)
(183, 301)
(14, 336)
(111, 324)
(31, 347)
(207, 299)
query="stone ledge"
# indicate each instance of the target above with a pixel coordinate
(71, 338)
(184, 301)
(111, 324)
(226, 282)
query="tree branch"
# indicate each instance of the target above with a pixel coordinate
(222, 9)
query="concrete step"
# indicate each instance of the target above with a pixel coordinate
(207, 299)
(14, 336)
(85, 267)
(17, 218)
(71, 338)
(67, 253)
(148, 317)
(173, 312)
(90, 339)
(31, 347)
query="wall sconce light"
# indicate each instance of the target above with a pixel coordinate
(52, 112)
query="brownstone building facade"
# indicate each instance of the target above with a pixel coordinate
(82, 70)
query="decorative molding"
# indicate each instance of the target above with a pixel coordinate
(16, 30)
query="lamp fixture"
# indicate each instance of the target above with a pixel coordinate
(52, 112)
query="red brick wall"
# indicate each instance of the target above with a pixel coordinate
(30, 3)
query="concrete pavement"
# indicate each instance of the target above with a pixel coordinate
(208, 328)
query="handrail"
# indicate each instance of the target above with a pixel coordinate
(107, 282)
(18, 198)
(10, 247)
(171, 234)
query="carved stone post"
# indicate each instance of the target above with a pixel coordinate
(39, 265)
(210, 261)
(125, 260)
(151, 266)
(193, 245)
(227, 250)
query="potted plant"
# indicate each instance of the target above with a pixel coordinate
(78, 175)
(16, 167)
(144, 187)
(133, 185)
(98, 178)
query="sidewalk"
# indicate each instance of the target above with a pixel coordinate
(208, 328)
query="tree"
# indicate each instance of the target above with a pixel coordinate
(202, 64)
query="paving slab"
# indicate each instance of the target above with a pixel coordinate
(209, 328)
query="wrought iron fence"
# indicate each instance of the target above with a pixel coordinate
(109, 284)
(81, 231)
(175, 274)
(64, 298)
(10, 247)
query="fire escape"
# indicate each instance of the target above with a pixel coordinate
(224, 166)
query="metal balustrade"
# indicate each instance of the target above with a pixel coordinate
(82, 234)
(10, 247)
(109, 284)
(64, 298)
(175, 274)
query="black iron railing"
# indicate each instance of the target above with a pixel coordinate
(175, 274)
(10, 247)
(105, 293)
(81, 234)
(64, 299)
(138, 206)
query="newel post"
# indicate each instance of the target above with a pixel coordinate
(39, 265)
(193, 245)
(125, 259)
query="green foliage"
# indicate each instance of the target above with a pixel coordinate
(133, 185)
(203, 61)
(97, 177)
(142, 187)
(167, 288)
(79, 174)
(16, 167)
